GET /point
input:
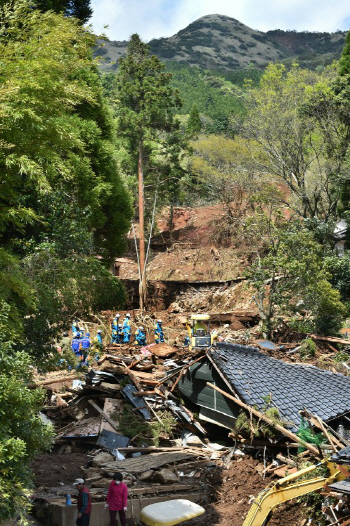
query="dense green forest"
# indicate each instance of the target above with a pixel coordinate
(273, 147)
(63, 202)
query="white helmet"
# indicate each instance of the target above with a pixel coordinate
(127, 315)
(159, 321)
(141, 328)
(99, 330)
(117, 315)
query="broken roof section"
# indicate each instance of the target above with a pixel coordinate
(253, 376)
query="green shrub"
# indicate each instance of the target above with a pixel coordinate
(307, 349)
(134, 426)
(252, 426)
(341, 356)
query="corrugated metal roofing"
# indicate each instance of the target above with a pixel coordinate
(255, 376)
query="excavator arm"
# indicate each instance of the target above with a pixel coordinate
(286, 489)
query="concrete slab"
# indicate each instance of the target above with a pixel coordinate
(63, 515)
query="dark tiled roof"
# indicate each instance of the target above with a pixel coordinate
(253, 376)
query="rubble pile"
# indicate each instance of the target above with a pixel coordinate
(122, 415)
(228, 296)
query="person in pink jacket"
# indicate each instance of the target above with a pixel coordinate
(117, 499)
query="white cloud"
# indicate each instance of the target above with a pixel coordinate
(156, 18)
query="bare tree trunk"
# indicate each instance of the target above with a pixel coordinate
(171, 222)
(142, 284)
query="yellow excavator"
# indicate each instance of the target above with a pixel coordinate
(199, 334)
(288, 488)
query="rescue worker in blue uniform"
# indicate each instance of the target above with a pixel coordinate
(76, 342)
(117, 335)
(158, 332)
(85, 349)
(140, 336)
(119, 329)
(99, 338)
(75, 328)
(127, 329)
(97, 345)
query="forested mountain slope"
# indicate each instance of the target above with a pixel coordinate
(218, 42)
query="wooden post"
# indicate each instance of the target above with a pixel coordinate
(289, 434)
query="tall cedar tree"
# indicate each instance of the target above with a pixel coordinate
(146, 105)
(342, 92)
(194, 124)
(80, 9)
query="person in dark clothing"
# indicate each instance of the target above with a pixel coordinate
(117, 500)
(83, 503)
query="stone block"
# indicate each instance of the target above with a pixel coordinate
(101, 459)
(167, 476)
(146, 475)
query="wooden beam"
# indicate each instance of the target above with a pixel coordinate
(330, 339)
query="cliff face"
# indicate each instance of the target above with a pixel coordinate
(223, 43)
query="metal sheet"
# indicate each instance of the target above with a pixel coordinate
(137, 401)
(111, 440)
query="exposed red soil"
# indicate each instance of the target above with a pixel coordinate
(239, 484)
(189, 252)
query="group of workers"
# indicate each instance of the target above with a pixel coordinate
(81, 343)
(121, 331)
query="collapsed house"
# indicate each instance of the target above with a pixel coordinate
(259, 380)
(89, 414)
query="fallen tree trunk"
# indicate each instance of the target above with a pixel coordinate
(257, 413)
(52, 381)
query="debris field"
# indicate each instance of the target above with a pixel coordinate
(128, 413)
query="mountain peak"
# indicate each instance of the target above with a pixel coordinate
(219, 42)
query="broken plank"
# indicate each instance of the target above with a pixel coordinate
(183, 370)
(286, 460)
(260, 442)
(331, 339)
(150, 490)
(147, 462)
(115, 358)
(329, 437)
(110, 387)
(145, 393)
(111, 405)
(143, 376)
(109, 420)
(134, 379)
(151, 449)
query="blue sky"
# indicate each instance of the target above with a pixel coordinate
(163, 18)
